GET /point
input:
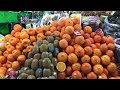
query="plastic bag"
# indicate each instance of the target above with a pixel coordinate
(117, 51)
(106, 22)
(110, 29)
(117, 55)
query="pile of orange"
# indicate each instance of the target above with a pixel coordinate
(88, 55)
(17, 45)
(85, 56)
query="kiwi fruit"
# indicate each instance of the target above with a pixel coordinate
(50, 47)
(38, 72)
(44, 77)
(23, 70)
(52, 67)
(52, 77)
(30, 55)
(54, 74)
(45, 42)
(43, 48)
(34, 64)
(53, 35)
(46, 72)
(40, 63)
(24, 52)
(46, 63)
(37, 56)
(54, 61)
(50, 39)
(30, 72)
(44, 55)
(31, 77)
(22, 76)
(57, 38)
(39, 78)
(39, 42)
(35, 49)
(28, 63)
(56, 43)
(50, 55)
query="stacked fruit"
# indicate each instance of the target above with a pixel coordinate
(11, 57)
(85, 54)
(17, 45)
(41, 60)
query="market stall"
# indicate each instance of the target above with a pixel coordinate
(61, 45)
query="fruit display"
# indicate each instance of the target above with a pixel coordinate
(86, 54)
(117, 49)
(41, 61)
(62, 50)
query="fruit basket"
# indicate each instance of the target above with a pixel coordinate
(62, 50)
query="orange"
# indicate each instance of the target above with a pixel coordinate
(95, 60)
(85, 59)
(61, 66)
(88, 29)
(76, 67)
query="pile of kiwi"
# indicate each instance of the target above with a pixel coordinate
(41, 61)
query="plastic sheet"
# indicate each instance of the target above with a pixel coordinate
(117, 51)
(111, 29)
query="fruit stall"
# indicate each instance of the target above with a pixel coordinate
(65, 45)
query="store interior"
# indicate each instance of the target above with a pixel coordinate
(59, 44)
